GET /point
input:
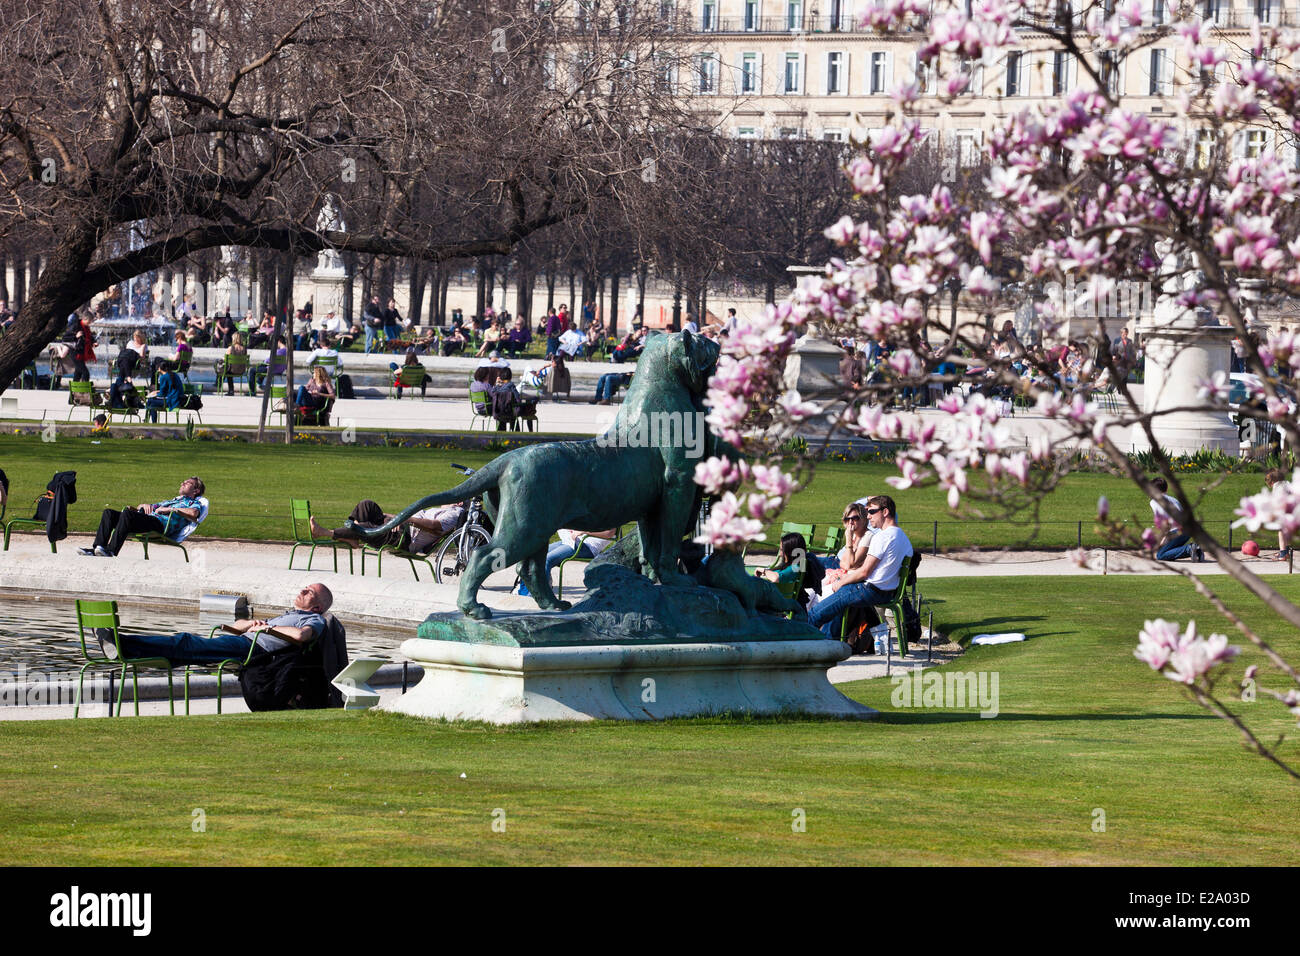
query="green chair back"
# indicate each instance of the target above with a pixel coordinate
(328, 362)
(300, 515)
(93, 614)
(834, 540)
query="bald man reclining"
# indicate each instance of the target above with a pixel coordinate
(302, 625)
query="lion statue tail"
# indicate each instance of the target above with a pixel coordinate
(482, 480)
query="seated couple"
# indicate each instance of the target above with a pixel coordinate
(301, 625)
(868, 565)
(419, 535)
(174, 519)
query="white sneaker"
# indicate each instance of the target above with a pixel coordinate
(89, 552)
(101, 553)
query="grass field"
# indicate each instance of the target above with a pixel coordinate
(250, 486)
(1083, 726)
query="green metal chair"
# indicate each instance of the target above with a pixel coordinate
(81, 388)
(231, 367)
(33, 522)
(793, 527)
(300, 515)
(330, 363)
(187, 390)
(220, 666)
(410, 556)
(152, 537)
(131, 412)
(103, 614)
(409, 377)
(834, 540)
(894, 607)
(279, 403)
(485, 403)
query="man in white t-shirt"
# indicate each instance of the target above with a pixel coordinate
(572, 341)
(876, 580)
(1174, 542)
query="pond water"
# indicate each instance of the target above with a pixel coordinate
(39, 633)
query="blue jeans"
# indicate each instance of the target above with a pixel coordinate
(608, 385)
(560, 552)
(828, 612)
(828, 561)
(153, 404)
(185, 648)
(371, 335)
(552, 343)
(1179, 546)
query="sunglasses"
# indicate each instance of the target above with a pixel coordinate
(872, 511)
(852, 518)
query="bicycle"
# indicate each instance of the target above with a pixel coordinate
(453, 557)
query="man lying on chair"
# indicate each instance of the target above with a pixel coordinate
(303, 624)
(175, 518)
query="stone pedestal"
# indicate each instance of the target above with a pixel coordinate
(510, 685)
(814, 368)
(1178, 358)
(327, 291)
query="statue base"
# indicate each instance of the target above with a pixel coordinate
(510, 685)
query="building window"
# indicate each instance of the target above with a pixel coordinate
(1161, 83)
(833, 135)
(839, 16)
(709, 16)
(792, 77)
(708, 73)
(751, 14)
(834, 73)
(1264, 10)
(1060, 73)
(921, 69)
(1256, 141)
(1109, 71)
(794, 15)
(1210, 10)
(1157, 12)
(746, 132)
(879, 63)
(790, 132)
(968, 147)
(749, 81)
(1015, 64)
(1203, 149)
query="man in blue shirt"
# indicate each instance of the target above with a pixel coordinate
(175, 518)
(301, 625)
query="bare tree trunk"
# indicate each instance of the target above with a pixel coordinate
(769, 295)
(522, 288)
(20, 285)
(416, 292)
(4, 277)
(442, 296)
(33, 271)
(349, 275)
(613, 299)
(574, 305)
(480, 309)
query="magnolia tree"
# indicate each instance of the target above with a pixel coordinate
(1086, 193)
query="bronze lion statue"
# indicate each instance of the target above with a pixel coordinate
(640, 470)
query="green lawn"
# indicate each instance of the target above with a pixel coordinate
(1082, 726)
(250, 486)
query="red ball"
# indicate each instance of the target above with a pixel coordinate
(1250, 549)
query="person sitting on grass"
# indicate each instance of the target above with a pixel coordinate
(787, 567)
(175, 519)
(301, 625)
(1174, 542)
(419, 534)
(101, 425)
(876, 580)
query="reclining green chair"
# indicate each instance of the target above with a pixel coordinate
(300, 515)
(95, 615)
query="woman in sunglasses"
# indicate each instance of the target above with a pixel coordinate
(856, 538)
(876, 579)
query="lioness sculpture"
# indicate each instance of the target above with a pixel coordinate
(641, 469)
